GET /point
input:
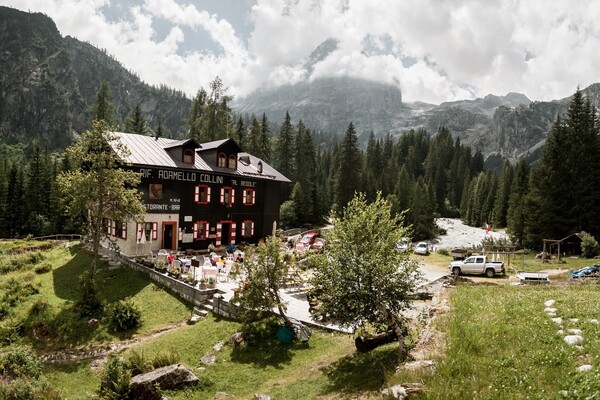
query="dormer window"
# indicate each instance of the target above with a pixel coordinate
(222, 160)
(188, 156)
(232, 162)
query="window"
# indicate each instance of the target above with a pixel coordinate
(247, 228)
(249, 197)
(106, 226)
(202, 194)
(188, 156)
(201, 229)
(147, 232)
(232, 162)
(227, 195)
(222, 160)
(155, 191)
(120, 229)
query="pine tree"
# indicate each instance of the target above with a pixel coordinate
(159, 130)
(14, 216)
(240, 133)
(104, 109)
(563, 197)
(284, 153)
(516, 216)
(348, 174)
(504, 190)
(136, 123)
(265, 139)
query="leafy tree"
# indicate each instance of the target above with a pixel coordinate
(266, 273)
(362, 279)
(104, 109)
(589, 246)
(136, 123)
(100, 188)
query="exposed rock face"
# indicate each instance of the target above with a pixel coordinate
(329, 104)
(171, 377)
(49, 83)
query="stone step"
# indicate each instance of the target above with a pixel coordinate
(199, 312)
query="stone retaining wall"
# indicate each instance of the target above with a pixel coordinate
(188, 293)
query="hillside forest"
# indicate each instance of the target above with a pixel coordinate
(422, 174)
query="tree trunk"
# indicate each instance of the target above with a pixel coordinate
(400, 332)
(364, 345)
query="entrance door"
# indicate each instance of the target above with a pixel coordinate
(225, 233)
(169, 235)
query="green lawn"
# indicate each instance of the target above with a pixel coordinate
(502, 345)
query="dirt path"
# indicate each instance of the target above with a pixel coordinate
(101, 351)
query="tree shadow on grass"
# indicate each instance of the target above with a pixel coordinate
(112, 284)
(361, 372)
(263, 349)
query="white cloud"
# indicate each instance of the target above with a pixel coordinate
(543, 48)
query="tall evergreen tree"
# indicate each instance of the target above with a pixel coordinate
(104, 109)
(265, 139)
(284, 153)
(504, 190)
(348, 172)
(136, 123)
(516, 216)
(240, 133)
(563, 197)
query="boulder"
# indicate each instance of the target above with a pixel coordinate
(400, 392)
(171, 377)
(262, 396)
(573, 339)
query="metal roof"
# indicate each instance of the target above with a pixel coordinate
(152, 151)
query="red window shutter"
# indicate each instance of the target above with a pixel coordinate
(208, 194)
(196, 230)
(113, 227)
(232, 197)
(197, 194)
(124, 231)
(154, 230)
(206, 228)
(252, 228)
(253, 197)
(222, 195)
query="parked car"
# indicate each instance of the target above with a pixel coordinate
(422, 248)
(403, 244)
(477, 265)
(308, 240)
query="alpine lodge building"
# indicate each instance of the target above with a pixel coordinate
(196, 195)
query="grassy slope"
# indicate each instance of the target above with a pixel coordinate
(327, 368)
(502, 345)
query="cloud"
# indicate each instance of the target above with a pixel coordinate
(434, 50)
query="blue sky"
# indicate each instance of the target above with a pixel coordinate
(433, 50)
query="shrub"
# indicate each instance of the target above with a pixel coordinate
(89, 305)
(29, 389)
(43, 268)
(123, 315)
(11, 331)
(163, 359)
(589, 246)
(114, 381)
(20, 363)
(137, 363)
(443, 251)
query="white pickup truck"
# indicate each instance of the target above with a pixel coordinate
(477, 265)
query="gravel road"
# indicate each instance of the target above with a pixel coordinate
(461, 235)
